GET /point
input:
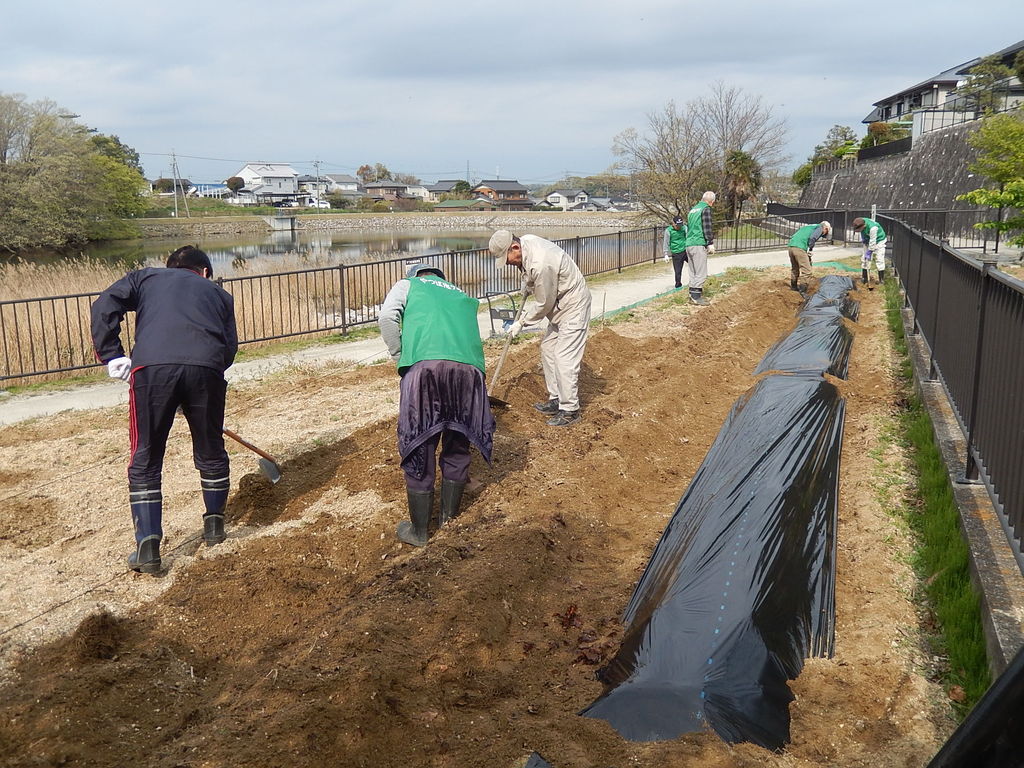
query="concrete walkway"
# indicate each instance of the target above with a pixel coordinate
(610, 295)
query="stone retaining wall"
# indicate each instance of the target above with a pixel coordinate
(386, 222)
(929, 176)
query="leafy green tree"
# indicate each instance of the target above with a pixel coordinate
(839, 141)
(1018, 65)
(1000, 145)
(802, 175)
(462, 189)
(235, 183)
(883, 133)
(112, 147)
(56, 187)
(981, 92)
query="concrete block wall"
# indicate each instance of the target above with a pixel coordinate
(929, 176)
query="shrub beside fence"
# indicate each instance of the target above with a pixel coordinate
(971, 317)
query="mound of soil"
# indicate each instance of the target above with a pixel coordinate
(312, 637)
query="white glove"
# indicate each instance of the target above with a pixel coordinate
(711, 250)
(120, 368)
(666, 257)
(515, 328)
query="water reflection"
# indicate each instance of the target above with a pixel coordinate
(238, 254)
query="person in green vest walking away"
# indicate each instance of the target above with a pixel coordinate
(700, 243)
(674, 246)
(800, 247)
(431, 331)
(873, 237)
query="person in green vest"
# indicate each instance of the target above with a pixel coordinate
(674, 246)
(800, 246)
(873, 237)
(430, 328)
(700, 243)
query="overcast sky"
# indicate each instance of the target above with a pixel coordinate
(527, 90)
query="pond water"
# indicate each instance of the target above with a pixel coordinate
(232, 254)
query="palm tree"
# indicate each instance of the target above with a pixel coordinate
(742, 180)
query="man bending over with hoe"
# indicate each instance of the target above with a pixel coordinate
(431, 330)
(185, 338)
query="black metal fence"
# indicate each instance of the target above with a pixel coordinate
(889, 148)
(971, 316)
(50, 335)
(957, 227)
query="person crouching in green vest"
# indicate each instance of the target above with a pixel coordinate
(431, 330)
(800, 247)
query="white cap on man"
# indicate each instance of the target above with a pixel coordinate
(500, 242)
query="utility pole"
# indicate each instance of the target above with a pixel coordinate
(184, 197)
(316, 165)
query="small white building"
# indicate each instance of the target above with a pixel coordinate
(568, 198)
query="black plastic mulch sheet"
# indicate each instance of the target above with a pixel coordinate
(992, 735)
(741, 587)
(835, 286)
(536, 761)
(845, 306)
(820, 343)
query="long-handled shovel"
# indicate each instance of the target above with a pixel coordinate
(268, 466)
(497, 401)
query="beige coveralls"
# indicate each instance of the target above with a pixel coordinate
(561, 295)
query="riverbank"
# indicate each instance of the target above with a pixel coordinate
(387, 222)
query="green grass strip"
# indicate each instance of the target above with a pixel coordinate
(941, 559)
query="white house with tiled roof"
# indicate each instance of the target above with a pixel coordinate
(269, 181)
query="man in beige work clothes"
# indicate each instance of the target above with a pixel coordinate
(561, 295)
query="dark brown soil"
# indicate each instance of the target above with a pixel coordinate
(313, 638)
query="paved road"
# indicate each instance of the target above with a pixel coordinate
(609, 296)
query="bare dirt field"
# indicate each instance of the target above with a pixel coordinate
(312, 637)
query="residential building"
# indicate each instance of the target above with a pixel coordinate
(316, 186)
(479, 204)
(417, 190)
(442, 187)
(510, 195)
(268, 182)
(342, 182)
(567, 198)
(386, 190)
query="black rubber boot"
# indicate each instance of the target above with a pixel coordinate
(213, 529)
(146, 557)
(864, 276)
(421, 505)
(548, 406)
(793, 286)
(697, 297)
(881, 276)
(451, 499)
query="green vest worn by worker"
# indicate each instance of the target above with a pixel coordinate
(865, 234)
(439, 323)
(695, 225)
(802, 237)
(677, 239)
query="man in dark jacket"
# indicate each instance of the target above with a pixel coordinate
(431, 330)
(185, 338)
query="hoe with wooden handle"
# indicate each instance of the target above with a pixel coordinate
(497, 401)
(268, 466)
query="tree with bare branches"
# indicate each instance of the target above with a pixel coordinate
(684, 151)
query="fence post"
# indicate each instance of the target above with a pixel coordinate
(917, 288)
(344, 300)
(736, 235)
(971, 475)
(654, 245)
(932, 371)
(620, 250)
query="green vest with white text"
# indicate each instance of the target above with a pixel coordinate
(439, 323)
